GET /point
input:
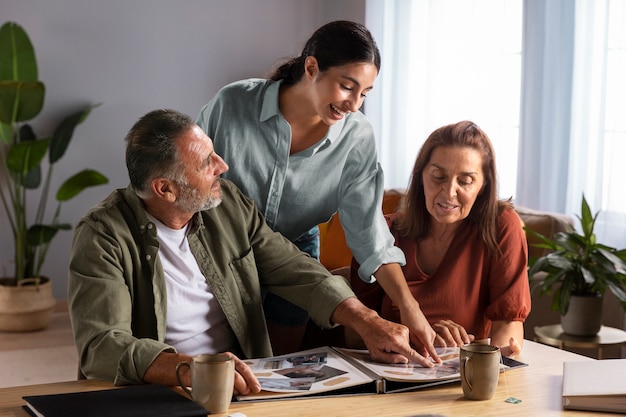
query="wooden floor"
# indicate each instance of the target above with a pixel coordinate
(39, 357)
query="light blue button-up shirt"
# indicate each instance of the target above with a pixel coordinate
(296, 192)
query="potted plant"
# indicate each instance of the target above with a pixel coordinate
(21, 173)
(577, 272)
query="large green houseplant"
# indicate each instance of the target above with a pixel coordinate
(578, 266)
(24, 169)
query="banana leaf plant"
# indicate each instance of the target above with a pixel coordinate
(22, 153)
(578, 265)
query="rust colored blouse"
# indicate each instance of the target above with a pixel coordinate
(469, 287)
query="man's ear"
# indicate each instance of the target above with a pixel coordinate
(311, 68)
(164, 189)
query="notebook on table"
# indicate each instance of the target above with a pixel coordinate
(595, 385)
(136, 400)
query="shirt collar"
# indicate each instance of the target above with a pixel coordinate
(136, 204)
(270, 109)
(270, 101)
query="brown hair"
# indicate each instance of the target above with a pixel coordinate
(415, 221)
(335, 44)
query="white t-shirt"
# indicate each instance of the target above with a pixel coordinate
(195, 322)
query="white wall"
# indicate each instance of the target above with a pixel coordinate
(134, 56)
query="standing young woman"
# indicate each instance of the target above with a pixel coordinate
(302, 151)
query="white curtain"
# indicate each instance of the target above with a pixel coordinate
(554, 108)
(444, 61)
(572, 126)
(545, 117)
(397, 115)
(598, 138)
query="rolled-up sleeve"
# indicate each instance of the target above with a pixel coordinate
(360, 214)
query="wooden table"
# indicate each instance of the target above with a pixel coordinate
(553, 335)
(537, 385)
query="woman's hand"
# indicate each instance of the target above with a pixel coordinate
(450, 333)
(509, 336)
(513, 349)
(421, 334)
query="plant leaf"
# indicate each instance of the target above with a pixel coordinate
(17, 55)
(587, 221)
(40, 234)
(546, 243)
(64, 132)
(6, 132)
(588, 276)
(77, 183)
(32, 179)
(25, 156)
(537, 265)
(20, 101)
(26, 133)
(572, 242)
(551, 279)
(617, 288)
(556, 260)
(618, 263)
(560, 300)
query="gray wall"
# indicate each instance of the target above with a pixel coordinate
(137, 55)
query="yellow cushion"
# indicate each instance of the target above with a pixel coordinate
(334, 251)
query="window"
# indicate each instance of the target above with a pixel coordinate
(598, 123)
(544, 79)
(444, 61)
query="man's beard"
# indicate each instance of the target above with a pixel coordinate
(190, 201)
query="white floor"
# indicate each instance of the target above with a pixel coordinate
(39, 357)
(38, 366)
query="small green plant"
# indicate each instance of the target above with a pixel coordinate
(578, 265)
(22, 154)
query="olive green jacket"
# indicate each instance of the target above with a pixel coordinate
(117, 294)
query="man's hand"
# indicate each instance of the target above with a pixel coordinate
(450, 333)
(386, 341)
(163, 371)
(245, 380)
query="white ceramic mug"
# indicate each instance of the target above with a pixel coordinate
(212, 380)
(480, 370)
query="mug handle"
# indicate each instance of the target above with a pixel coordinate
(178, 367)
(465, 361)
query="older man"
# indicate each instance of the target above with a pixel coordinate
(173, 266)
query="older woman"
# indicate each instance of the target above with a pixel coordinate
(466, 250)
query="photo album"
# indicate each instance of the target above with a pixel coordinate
(332, 371)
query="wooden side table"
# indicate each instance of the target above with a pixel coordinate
(553, 335)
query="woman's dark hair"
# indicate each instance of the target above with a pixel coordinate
(415, 220)
(334, 44)
(151, 147)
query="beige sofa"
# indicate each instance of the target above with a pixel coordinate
(334, 254)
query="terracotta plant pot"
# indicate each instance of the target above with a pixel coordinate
(27, 307)
(584, 316)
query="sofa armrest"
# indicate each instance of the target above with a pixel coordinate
(545, 223)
